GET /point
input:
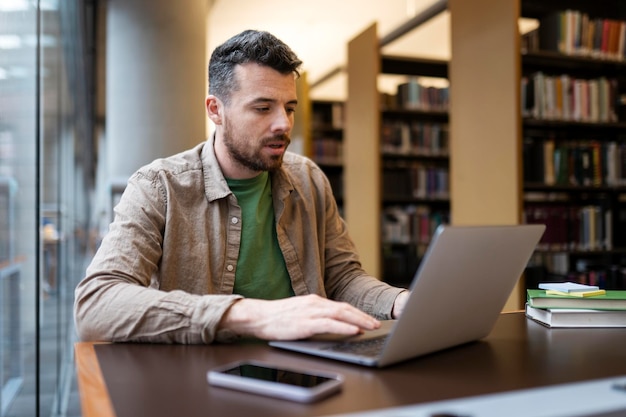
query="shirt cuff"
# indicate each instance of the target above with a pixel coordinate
(209, 314)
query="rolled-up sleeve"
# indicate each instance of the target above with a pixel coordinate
(122, 297)
(118, 311)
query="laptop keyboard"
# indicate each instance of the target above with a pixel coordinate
(368, 347)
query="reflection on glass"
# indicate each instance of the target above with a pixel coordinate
(43, 201)
(18, 97)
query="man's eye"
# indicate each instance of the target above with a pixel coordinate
(263, 109)
(291, 110)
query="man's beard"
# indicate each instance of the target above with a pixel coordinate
(248, 152)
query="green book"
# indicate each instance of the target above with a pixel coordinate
(612, 300)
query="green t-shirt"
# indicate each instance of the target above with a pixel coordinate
(261, 271)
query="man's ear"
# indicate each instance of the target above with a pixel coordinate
(214, 109)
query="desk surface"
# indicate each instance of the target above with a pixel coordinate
(129, 380)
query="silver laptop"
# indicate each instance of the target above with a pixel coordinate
(459, 289)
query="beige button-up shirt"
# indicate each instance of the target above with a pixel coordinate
(165, 270)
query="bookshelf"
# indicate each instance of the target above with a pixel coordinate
(396, 149)
(574, 140)
(414, 147)
(327, 142)
(488, 171)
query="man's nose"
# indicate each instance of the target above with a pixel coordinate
(283, 122)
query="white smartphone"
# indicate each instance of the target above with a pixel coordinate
(303, 385)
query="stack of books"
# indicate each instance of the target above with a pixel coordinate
(576, 305)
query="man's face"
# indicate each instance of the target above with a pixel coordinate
(258, 119)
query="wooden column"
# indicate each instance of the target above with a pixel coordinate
(362, 149)
(485, 124)
(301, 132)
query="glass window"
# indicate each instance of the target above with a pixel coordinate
(44, 181)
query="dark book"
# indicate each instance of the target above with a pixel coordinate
(550, 30)
(533, 160)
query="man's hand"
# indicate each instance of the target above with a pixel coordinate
(295, 318)
(398, 304)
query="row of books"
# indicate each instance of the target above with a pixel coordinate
(572, 32)
(590, 270)
(328, 150)
(578, 163)
(328, 115)
(548, 264)
(581, 228)
(602, 276)
(414, 95)
(416, 180)
(594, 307)
(415, 138)
(560, 264)
(564, 97)
(412, 224)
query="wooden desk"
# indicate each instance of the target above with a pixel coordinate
(129, 380)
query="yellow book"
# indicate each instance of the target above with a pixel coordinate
(590, 293)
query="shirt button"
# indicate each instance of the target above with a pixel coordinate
(234, 220)
(230, 268)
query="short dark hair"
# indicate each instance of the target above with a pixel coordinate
(255, 46)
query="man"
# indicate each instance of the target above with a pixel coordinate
(236, 237)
